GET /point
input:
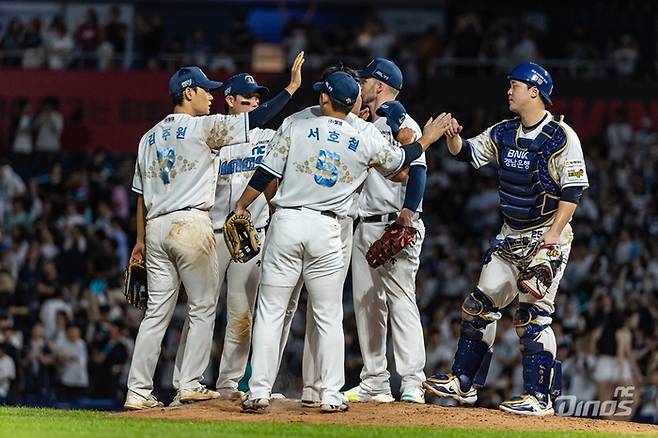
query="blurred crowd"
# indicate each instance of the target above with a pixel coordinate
(602, 39)
(67, 227)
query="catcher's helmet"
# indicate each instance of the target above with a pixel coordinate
(536, 76)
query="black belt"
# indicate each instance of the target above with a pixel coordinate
(328, 213)
(388, 217)
(181, 209)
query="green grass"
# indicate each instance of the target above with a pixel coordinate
(42, 423)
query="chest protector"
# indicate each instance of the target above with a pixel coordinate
(529, 196)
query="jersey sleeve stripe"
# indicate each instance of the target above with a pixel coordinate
(582, 184)
(474, 158)
(269, 170)
(137, 190)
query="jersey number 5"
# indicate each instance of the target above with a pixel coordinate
(327, 166)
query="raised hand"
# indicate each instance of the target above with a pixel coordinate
(435, 128)
(296, 73)
(454, 129)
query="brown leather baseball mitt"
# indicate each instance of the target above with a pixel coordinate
(241, 238)
(395, 239)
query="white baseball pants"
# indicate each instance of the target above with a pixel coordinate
(180, 246)
(312, 251)
(388, 291)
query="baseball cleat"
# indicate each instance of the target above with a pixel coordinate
(310, 403)
(135, 402)
(277, 396)
(413, 396)
(176, 401)
(358, 394)
(326, 408)
(255, 405)
(230, 393)
(448, 385)
(527, 405)
(200, 393)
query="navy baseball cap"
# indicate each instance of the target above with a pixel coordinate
(191, 76)
(243, 84)
(340, 86)
(384, 70)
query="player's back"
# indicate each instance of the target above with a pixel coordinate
(380, 195)
(327, 160)
(236, 166)
(176, 162)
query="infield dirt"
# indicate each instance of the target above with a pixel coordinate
(393, 414)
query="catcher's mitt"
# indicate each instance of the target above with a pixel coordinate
(241, 238)
(134, 284)
(538, 277)
(395, 239)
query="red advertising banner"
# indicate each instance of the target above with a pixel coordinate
(112, 110)
(109, 110)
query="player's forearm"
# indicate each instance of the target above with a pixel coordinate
(264, 113)
(565, 211)
(259, 182)
(248, 196)
(415, 187)
(141, 219)
(454, 144)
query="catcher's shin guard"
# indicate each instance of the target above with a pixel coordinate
(472, 349)
(556, 379)
(480, 378)
(541, 373)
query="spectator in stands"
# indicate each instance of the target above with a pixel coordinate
(38, 362)
(48, 125)
(59, 45)
(12, 43)
(34, 54)
(88, 38)
(55, 313)
(71, 355)
(197, 49)
(116, 33)
(625, 57)
(7, 373)
(22, 144)
(11, 186)
(109, 359)
(151, 40)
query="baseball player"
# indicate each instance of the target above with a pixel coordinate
(541, 180)
(237, 164)
(390, 290)
(321, 161)
(310, 374)
(175, 179)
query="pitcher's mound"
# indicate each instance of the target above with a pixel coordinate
(392, 414)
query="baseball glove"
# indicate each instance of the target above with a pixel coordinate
(395, 239)
(538, 277)
(241, 238)
(134, 284)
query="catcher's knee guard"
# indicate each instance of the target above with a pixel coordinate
(542, 373)
(473, 354)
